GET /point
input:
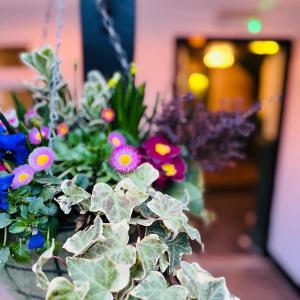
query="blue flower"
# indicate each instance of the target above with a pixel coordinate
(36, 241)
(13, 147)
(5, 183)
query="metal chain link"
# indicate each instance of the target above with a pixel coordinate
(47, 21)
(114, 38)
(56, 77)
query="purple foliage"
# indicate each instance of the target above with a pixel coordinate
(213, 139)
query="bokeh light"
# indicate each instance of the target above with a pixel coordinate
(198, 83)
(264, 47)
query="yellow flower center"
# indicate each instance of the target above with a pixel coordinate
(42, 159)
(162, 149)
(38, 136)
(108, 114)
(22, 177)
(125, 159)
(116, 141)
(169, 169)
(63, 129)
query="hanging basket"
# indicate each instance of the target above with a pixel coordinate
(19, 279)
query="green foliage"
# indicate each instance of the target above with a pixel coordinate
(127, 254)
(128, 105)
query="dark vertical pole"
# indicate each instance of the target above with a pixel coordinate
(97, 51)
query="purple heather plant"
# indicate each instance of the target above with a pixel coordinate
(213, 139)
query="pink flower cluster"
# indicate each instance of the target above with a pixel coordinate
(166, 158)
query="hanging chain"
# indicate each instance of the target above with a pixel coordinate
(47, 21)
(114, 38)
(56, 77)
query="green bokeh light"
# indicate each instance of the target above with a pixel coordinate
(254, 25)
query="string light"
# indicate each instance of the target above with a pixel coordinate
(219, 55)
(198, 83)
(264, 47)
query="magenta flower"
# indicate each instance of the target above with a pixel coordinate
(62, 129)
(23, 176)
(41, 158)
(36, 136)
(125, 159)
(2, 167)
(30, 114)
(116, 139)
(108, 114)
(159, 148)
(174, 169)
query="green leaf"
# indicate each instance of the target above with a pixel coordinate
(114, 245)
(144, 175)
(150, 249)
(4, 220)
(20, 109)
(20, 252)
(201, 284)
(119, 203)
(47, 179)
(4, 255)
(155, 287)
(17, 227)
(61, 288)
(103, 276)
(73, 194)
(84, 239)
(37, 268)
(37, 206)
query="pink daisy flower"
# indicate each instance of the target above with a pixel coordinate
(41, 158)
(159, 148)
(23, 176)
(36, 136)
(62, 129)
(116, 139)
(108, 114)
(125, 159)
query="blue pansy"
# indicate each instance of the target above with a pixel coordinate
(5, 183)
(36, 241)
(13, 147)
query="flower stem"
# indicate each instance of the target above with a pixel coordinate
(5, 237)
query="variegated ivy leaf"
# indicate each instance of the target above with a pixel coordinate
(176, 246)
(119, 203)
(144, 175)
(163, 263)
(155, 287)
(84, 239)
(201, 284)
(150, 249)
(143, 222)
(73, 194)
(37, 268)
(115, 245)
(103, 276)
(61, 288)
(169, 210)
(4, 255)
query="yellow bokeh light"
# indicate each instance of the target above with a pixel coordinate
(264, 47)
(198, 83)
(219, 55)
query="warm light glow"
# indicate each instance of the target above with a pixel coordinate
(254, 25)
(219, 55)
(196, 41)
(264, 47)
(198, 83)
